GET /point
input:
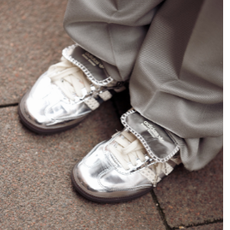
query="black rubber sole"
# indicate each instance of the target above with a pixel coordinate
(40, 130)
(101, 200)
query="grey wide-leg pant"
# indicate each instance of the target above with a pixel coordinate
(171, 53)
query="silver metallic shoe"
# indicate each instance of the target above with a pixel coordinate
(65, 94)
(129, 164)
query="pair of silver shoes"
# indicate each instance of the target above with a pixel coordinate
(121, 169)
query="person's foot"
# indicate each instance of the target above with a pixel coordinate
(129, 164)
(65, 94)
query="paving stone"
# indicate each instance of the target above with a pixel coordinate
(216, 226)
(32, 38)
(189, 198)
(35, 186)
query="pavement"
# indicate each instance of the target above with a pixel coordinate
(35, 186)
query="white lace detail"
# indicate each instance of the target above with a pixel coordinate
(151, 176)
(128, 150)
(92, 103)
(106, 95)
(69, 78)
(156, 172)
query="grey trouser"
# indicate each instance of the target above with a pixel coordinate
(171, 53)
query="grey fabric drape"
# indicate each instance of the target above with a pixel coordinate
(171, 52)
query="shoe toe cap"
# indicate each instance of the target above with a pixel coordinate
(96, 178)
(87, 172)
(40, 98)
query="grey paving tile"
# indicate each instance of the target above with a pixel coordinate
(32, 38)
(35, 186)
(188, 198)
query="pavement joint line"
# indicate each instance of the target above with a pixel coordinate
(9, 105)
(208, 222)
(160, 210)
